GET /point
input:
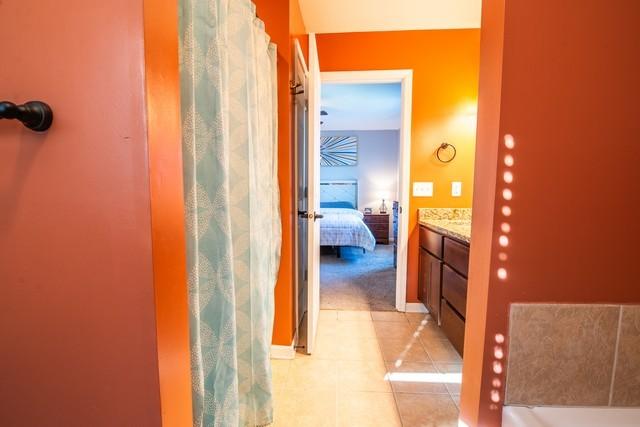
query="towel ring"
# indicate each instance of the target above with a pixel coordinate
(443, 147)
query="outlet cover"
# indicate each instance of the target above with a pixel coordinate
(456, 189)
(423, 189)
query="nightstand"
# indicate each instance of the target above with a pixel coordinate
(379, 225)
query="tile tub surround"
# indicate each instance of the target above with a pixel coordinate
(626, 390)
(573, 355)
(452, 222)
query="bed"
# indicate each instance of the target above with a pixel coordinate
(342, 225)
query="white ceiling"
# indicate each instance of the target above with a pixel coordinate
(361, 106)
(345, 16)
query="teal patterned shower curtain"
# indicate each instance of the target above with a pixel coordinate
(229, 115)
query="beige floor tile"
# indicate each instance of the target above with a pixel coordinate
(395, 330)
(362, 375)
(441, 351)
(354, 329)
(326, 347)
(367, 409)
(417, 318)
(280, 372)
(416, 377)
(284, 410)
(456, 400)
(427, 410)
(399, 350)
(310, 373)
(451, 368)
(328, 315)
(358, 349)
(388, 316)
(354, 315)
(328, 327)
(345, 381)
(431, 331)
(312, 407)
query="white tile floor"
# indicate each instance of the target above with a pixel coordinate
(370, 369)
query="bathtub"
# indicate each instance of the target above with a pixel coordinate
(545, 416)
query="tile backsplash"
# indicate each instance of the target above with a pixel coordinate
(574, 355)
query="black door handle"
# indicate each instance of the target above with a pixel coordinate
(303, 214)
(317, 216)
(35, 115)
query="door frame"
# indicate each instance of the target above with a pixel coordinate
(405, 78)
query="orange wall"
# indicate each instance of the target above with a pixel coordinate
(563, 81)
(445, 67)
(283, 21)
(78, 278)
(164, 140)
(298, 30)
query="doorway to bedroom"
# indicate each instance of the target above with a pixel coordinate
(360, 160)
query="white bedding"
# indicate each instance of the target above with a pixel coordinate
(344, 227)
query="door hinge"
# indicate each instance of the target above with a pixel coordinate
(296, 88)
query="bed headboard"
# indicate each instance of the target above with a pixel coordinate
(339, 194)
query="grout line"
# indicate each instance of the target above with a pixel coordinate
(387, 370)
(615, 357)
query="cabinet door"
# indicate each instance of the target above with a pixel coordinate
(429, 282)
(423, 276)
(434, 287)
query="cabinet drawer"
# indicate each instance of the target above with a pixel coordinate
(431, 241)
(454, 289)
(378, 227)
(376, 219)
(457, 256)
(453, 326)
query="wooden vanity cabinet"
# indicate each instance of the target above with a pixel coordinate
(442, 282)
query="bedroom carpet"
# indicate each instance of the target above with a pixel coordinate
(362, 282)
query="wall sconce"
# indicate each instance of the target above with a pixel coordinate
(446, 152)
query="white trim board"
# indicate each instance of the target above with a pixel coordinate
(405, 78)
(285, 352)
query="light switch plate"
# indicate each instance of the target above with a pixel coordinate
(456, 189)
(423, 189)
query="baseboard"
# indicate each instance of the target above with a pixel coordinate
(283, 351)
(415, 307)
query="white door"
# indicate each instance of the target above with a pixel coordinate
(313, 252)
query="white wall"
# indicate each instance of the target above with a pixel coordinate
(377, 168)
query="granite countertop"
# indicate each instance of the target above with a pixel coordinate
(458, 229)
(451, 222)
